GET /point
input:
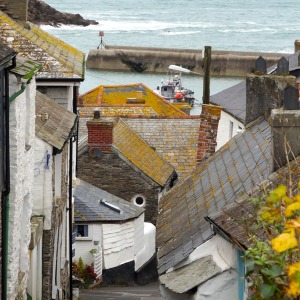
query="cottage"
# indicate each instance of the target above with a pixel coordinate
(193, 262)
(54, 127)
(111, 234)
(17, 203)
(240, 102)
(7, 62)
(59, 75)
(115, 159)
(127, 100)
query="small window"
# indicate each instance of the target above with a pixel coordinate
(139, 200)
(82, 230)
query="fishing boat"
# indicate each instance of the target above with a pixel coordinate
(172, 89)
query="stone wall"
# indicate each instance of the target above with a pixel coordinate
(157, 60)
(113, 175)
(264, 93)
(17, 9)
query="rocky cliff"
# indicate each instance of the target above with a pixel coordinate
(41, 13)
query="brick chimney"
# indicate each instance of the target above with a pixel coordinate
(100, 134)
(207, 139)
(17, 9)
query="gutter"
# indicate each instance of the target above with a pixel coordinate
(5, 197)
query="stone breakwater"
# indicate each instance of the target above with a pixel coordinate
(157, 60)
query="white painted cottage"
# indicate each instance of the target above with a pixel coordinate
(22, 90)
(113, 230)
(53, 128)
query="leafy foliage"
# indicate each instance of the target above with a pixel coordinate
(85, 273)
(274, 264)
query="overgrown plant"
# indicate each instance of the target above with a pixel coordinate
(274, 264)
(85, 273)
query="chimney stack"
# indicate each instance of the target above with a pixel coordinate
(264, 93)
(286, 138)
(207, 139)
(17, 9)
(100, 134)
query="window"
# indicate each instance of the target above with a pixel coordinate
(82, 231)
(139, 200)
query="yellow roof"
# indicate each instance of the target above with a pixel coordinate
(58, 59)
(140, 154)
(129, 95)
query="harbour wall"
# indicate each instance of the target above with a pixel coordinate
(157, 60)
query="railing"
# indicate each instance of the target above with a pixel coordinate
(98, 263)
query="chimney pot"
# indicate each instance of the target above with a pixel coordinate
(96, 113)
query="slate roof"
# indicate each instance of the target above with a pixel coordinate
(56, 130)
(58, 59)
(235, 169)
(25, 67)
(89, 208)
(6, 54)
(238, 219)
(140, 95)
(176, 140)
(233, 99)
(140, 154)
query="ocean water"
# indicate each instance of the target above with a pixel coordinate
(252, 25)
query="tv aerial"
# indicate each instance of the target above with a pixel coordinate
(102, 44)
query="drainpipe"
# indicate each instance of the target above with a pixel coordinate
(5, 199)
(72, 139)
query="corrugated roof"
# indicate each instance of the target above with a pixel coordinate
(89, 205)
(59, 122)
(176, 140)
(58, 59)
(117, 95)
(140, 154)
(235, 169)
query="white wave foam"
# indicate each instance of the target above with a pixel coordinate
(181, 32)
(131, 25)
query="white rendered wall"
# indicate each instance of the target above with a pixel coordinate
(43, 187)
(149, 246)
(223, 286)
(225, 132)
(118, 244)
(21, 124)
(139, 240)
(84, 245)
(34, 286)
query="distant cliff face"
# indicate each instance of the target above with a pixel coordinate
(41, 13)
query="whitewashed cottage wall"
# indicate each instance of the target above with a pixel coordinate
(85, 244)
(22, 132)
(227, 129)
(43, 188)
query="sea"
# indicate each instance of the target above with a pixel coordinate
(237, 25)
